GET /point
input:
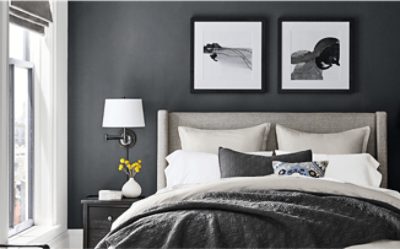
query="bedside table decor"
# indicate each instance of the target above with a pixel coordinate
(131, 188)
(110, 195)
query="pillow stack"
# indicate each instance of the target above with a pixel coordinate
(197, 162)
(208, 155)
(345, 151)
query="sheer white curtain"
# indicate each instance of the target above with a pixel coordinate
(4, 132)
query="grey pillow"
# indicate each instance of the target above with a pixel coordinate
(236, 164)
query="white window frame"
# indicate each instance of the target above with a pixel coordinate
(51, 196)
(14, 63)
(4, 124)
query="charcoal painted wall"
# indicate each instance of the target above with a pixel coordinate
(141, 49)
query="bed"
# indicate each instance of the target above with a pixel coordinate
(264, 211)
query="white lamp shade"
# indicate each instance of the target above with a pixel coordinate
(123, 113)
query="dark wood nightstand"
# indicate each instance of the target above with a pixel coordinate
(98, 217)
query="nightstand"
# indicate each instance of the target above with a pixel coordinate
(98, 217)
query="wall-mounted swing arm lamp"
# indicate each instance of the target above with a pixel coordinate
(123, 113)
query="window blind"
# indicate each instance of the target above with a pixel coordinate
(33, 15)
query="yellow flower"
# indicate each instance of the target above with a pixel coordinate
(130, 166)
(137, 169)
(122, 160)
(120, 167)
(139, 161)
(127, 162)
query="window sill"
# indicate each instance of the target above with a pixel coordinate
(37, 235)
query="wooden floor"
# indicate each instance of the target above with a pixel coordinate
(71, 239)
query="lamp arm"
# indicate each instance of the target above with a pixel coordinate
(126, 139)
(108, 137)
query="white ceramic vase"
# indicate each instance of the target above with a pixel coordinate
(131, 188)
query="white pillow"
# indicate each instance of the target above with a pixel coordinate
(361, 169)
(187, 167)
(247, 139)
(346, 142)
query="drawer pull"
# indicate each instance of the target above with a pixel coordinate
(110, 218)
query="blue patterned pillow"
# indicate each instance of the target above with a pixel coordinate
(311, 169)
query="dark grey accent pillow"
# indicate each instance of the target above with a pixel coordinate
(235, 164)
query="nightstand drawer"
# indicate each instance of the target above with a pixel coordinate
(100, 220)
(98, 217)
(103, 216)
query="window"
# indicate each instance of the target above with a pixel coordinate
(37, 80)
(21, 130)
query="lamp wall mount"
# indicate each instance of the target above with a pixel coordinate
(127, 138)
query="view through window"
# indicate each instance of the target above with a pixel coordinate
(22, 157)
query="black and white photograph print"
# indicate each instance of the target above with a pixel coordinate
(315, 55)
(227, 55)
(230, 56)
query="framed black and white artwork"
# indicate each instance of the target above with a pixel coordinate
(315, 55)
(227, 55)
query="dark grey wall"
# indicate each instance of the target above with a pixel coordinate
(141, 49)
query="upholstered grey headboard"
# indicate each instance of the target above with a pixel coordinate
(168, 122)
